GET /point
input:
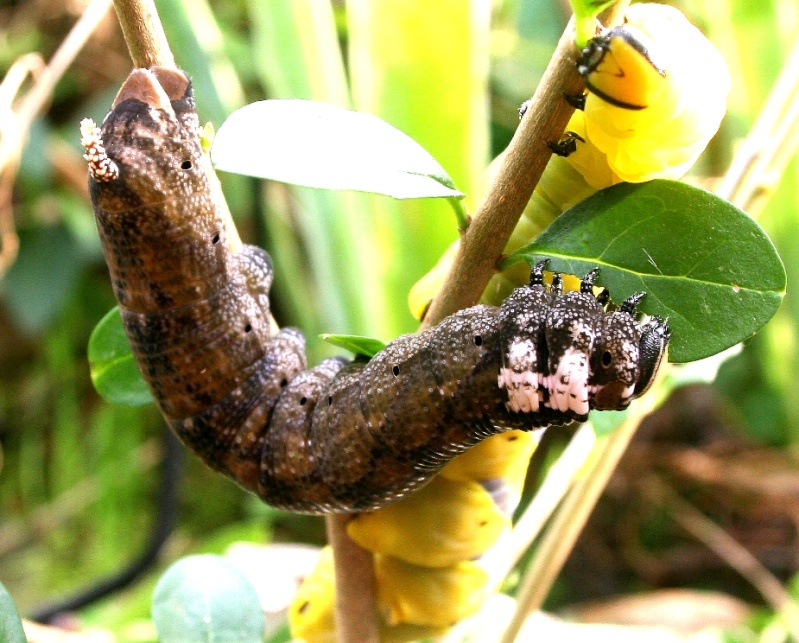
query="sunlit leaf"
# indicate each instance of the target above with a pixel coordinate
(321, 145)
(10, 625)
(585, 14)
(705, 264)
(113, 369)
(356, 344)
(205, 599)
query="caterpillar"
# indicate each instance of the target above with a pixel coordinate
(667, 86)
(656, 95)
(340, 436)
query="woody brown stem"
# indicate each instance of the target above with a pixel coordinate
(144, 33)
(526, 157)
(356, 611)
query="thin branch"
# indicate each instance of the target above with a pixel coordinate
(560, 477)
(527, 155)
(356, 590)
(568, 523)
(47, 79)
(15, 122)
(726, 548)
(144, 33)
(771, 143)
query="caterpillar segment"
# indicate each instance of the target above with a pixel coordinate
(436, 551)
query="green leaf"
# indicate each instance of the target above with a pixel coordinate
(585, 15)
(356, 344)
(321, 145)
(10, 624)
(605, 422)
(204, 598)
(38, 285)
(705, 264)
(113, 368)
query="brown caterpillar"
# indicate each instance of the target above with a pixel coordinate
(340, 436)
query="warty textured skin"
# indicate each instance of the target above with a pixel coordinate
(340, 436)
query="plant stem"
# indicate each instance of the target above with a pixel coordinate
(17, 123)
(356, 612)
(527, 155)
(568, 523)
(770, 145)
(460, 213)
(144, 33)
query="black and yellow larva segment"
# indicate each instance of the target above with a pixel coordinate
(619, 67)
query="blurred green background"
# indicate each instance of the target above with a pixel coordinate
(79, 481)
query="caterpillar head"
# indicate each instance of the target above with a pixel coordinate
(626, 357)
(564, 352)
(619, 67)
(153, 150)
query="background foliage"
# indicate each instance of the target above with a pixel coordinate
(78, 485)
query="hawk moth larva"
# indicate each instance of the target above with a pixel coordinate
(340, 436)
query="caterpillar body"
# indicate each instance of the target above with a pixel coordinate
(341, 436)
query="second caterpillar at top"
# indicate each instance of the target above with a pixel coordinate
(341, 436)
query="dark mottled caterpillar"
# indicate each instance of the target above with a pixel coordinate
(338, 437)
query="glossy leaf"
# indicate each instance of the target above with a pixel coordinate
(203, 599)
(10, 624)
(585, 14)
(356, 344)
(605, 422)
(705, 264)
(321, 145)
(113, 369)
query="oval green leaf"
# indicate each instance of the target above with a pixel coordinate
(10, 624)
(321, 145)
(113, 369)
(204, 598)
(357, 344)
(705, 264)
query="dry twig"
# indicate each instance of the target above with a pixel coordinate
(15, 120)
